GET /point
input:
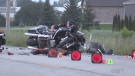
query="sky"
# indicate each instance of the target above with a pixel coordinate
(51, 1)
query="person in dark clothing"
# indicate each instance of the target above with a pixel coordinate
(61, 33)
(68, 24)
(94, 46)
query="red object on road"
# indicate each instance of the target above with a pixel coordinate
(9, 53)
(127, 57)
(103, 61)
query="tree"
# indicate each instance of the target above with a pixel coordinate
(48, 14)
(21, 3)
(118, 22)
(2, 20)
(126, 22)
(114, 23)
(134, 24)
(55, 4)
(130, 23)
(88, 16)
(121, 24)
(29, 14)
(72, 12)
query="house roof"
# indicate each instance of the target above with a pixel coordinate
(129, 2)
(107, 3)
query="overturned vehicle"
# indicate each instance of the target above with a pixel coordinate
(40, 38)
(2, 40)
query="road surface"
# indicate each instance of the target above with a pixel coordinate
(22, 63)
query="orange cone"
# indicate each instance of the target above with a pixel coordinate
(60, 55)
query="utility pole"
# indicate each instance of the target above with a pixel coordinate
(8, 17)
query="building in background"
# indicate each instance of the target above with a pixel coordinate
(13, 11)
(129, 8)
(106, 9)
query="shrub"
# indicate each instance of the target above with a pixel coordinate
(126, 33)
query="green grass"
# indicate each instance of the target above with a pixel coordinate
(16, 38)
(105, 26)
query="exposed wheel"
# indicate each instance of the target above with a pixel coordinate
(52, 52)
(76, 55)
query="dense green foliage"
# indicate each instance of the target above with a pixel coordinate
(72, 12)
(48, 15)
(2, 20)
(29, 14)
(119, 24)
(88, 16)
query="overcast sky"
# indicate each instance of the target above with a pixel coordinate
(51, 1)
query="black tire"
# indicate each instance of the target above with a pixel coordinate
(32, 42)
(64, 42)
(2, 41)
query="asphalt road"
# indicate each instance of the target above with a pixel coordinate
(22, 63)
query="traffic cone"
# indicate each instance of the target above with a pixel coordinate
(110, 61)
(9, 53)
(60, 55)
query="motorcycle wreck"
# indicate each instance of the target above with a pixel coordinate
(2, 40)
(69, 40)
